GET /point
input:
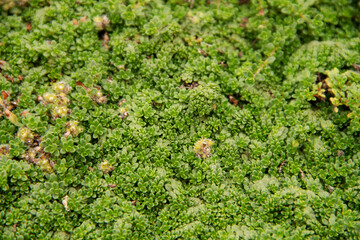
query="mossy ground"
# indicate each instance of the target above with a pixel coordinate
(105, 104)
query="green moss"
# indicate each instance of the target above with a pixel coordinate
(179, 119)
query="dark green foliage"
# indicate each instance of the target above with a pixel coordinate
(106, 106)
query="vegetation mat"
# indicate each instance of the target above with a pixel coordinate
(199, 119)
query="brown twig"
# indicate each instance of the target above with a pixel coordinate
(265, 63)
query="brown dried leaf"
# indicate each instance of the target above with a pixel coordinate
(5, 94)
(28, 26)
(83, 19)
(233, 100)
(202, 52)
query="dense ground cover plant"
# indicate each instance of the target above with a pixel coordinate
(179, 119)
